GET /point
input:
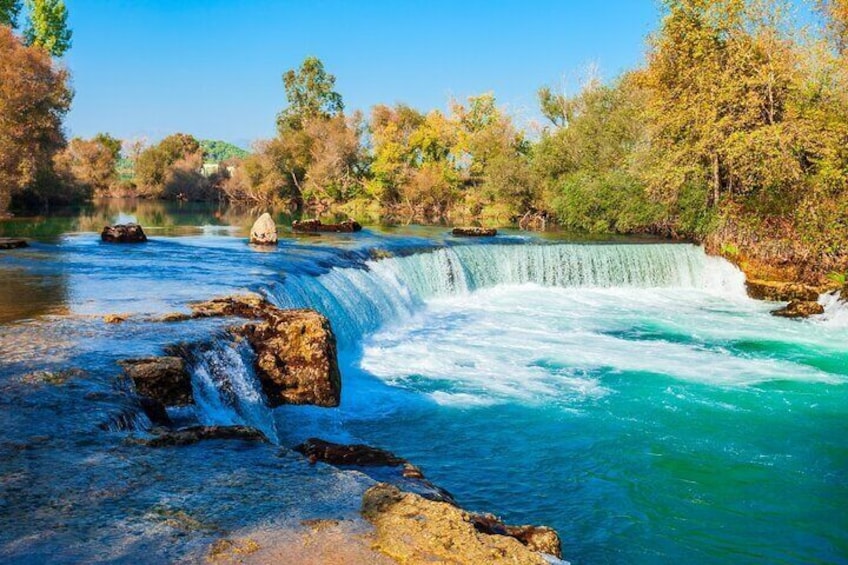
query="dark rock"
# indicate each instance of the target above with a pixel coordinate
(474, 232)
(12, 243)
(264, 231)
(194, 434)
(337, 454)
(295, 349)
(123, 233)
(164, 379)
(537, 538)
(799, 309)
(780, 291)
(315, 226)
(155, 411)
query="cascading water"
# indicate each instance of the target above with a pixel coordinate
(362, 297)
(226, 389)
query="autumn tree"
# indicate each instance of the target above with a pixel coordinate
(34, 97)
(171, 169)
(91, 164)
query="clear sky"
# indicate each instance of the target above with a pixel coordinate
(213, 68)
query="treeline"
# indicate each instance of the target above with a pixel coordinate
(734, 132)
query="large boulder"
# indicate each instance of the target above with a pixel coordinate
(474, 232)
(164, 379)
(778, 291)
(338, 454)
(123, 233)
(799, 309)
(12, 243)
(314, 226)
(412, 529)
(295, 349)
(264, 231)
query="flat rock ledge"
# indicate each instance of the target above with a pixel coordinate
(195, 434)
(799, 309)
(412, 529)
(123, 233)
(471, 231)
(781, 291)
(315, 226)
(12, 243)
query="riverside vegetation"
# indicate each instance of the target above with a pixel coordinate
(732, 133)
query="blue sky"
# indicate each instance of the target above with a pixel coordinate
(213, 68)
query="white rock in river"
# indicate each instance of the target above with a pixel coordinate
(264, 231)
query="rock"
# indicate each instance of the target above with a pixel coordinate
(194, 434)
(155, 411)
(412, 529)
(123, 233)
(264, 231)
(12, 243)
(780, 291)
(337, 454)
(295, 349)
(315, 226)
(799, 309)
(537, 538)
(115, 318)
(161, 378)
(53, 377)
(474, 232)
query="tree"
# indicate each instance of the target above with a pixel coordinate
(310, 94)
(34, 97)
(9, 10)
(156, 168)
(90, 163)
(48, 26)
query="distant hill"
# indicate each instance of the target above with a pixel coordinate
(215, 151)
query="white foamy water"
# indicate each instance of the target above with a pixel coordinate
(538, 344)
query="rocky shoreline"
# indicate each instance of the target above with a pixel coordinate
(405, 517)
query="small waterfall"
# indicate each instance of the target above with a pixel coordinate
(360, 298)
(226, 389)
(835, 309)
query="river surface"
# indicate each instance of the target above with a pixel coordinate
(625, 392)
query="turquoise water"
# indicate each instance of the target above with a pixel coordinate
(630, 395)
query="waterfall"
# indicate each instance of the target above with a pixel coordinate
(363, 296)
(226, 389)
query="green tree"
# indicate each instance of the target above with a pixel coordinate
(48, 26)
(9, 10)
(310, 94)
(112, 144)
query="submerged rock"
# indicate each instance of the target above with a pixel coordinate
(123, 233)
(474, 232)
(780, 291)
(115, 318)
(12, 243)
(337, 454)
(314, 226)
(164, 379)
(412, 529)
(194, 434)
(264, 231)
(295, 349)
(799, 309)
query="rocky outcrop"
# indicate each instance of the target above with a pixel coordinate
(12, 243)
(123, 233)
(474, 232)
(194, 434)
(264, 231)
(295, 349)
(315, 226)
(412, 529)
(164, 379)
(799, 309)
(537, 538)
(337, 454)
(780, 291)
